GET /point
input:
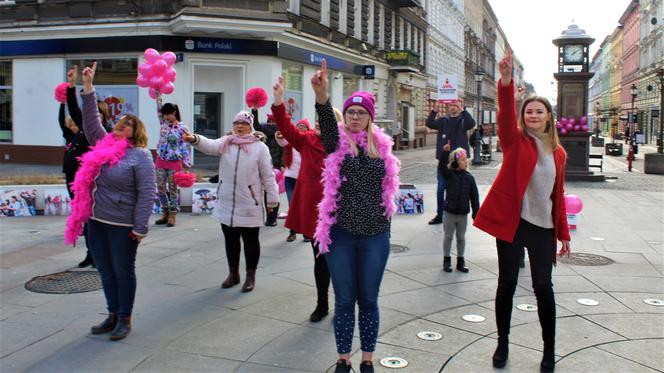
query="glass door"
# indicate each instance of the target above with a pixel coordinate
(207, 122)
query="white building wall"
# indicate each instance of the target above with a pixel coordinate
(445, 41)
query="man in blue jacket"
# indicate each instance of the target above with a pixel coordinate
(452, 133)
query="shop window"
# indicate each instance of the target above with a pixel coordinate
(351, 84)
(6, 101)
(292, 75)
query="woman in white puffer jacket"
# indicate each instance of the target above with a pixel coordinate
(245, 172)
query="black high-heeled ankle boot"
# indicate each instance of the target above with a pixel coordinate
(500, 356)
(548, 363)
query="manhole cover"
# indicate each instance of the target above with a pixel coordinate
(587, 302)
(430, 336)
(68, 282)
(398, 249)
(527, 307)
(473, 318)
(654, 302)
(583, 259)
(393, 362)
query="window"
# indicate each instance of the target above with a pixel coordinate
(293, 90)
(294, 6)
(358, 19)
(6, 101)
(325, 12)
(351, 84)
(343, 16)
(381, 35)
(370, 33)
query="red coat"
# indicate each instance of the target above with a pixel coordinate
(303, 210)
(500, 213)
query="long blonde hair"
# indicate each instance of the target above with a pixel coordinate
(550, 129)
(372, 150)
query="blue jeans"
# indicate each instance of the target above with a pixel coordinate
(289, 183)
(114, 253)
(440, 193)
(356, 265)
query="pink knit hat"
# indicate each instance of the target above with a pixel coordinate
(244, 116)
(305, 121)
(361, 98)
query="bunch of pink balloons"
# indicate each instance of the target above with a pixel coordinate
(569, 124)
(157, 72)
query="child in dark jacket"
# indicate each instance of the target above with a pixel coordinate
(461, 195)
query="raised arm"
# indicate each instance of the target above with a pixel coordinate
(431, 121)
(72, 102)
(507, 128)
(267, 130)
(290, 132)
(329, 129)
(468, 120)
(203, 144)
(66, 132)
(92, 126)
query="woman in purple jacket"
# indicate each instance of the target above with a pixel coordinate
(114, 188)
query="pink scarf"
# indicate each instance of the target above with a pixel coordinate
(242, 141)
(332, 181)
(108, 150)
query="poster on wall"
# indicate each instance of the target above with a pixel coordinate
(203, 200)
(121, 99)
(18, 202)
(293, 102)
(410, 200)
(57, 202)
(447, 89)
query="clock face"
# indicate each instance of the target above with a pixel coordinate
(573, 54)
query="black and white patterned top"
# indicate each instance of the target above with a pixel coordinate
(359, 209)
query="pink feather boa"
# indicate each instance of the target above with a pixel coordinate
(332, 181)
(108, 150)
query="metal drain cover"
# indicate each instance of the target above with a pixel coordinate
(583, 259)
(526, 307)
(393, 362)
(473, 318)
(398, 248)
(587, 302)
(430, 336)
(67, 282)
(654, 302)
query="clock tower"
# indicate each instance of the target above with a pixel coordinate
(573, 76)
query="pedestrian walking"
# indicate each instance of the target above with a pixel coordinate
(173, 154)
(245, 174)
(525, 207)
(114, 188)
(452, 133)
(462, 194)
(308, 192)
(360, 181)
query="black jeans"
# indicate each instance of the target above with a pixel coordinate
(541, 248)
(252, 247)
(322, 276)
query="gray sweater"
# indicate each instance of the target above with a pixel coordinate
(537, 203)
(124, 194)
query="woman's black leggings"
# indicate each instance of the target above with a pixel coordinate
(322, 276)
(252, 247)
(541, 249)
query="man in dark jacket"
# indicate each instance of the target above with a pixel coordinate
(452, 133)
(277, 154)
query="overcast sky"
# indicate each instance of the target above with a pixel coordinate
(531, 25)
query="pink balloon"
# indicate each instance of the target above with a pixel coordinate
(152, 93)
(167, 88)
(156, 82)
(572, 121)
(577, 127)
(169, 75)
(142, 81)
(583, 120)
(151, 55)
(584, 128)
(563, 131)
(569, 126)
(144, 69)
(559, 125)
(169, 57)
(158, 67)
(573, 204)
(563, 121)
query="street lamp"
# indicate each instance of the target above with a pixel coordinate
(633, 91)
(479, 76)
(597, 119)
(660, 147)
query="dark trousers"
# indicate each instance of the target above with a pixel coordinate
(114, 253)
(322, 276)
(440, 192)
(289, 183)
(541, 248)
(252, 247)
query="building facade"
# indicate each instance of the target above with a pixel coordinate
(651, 59)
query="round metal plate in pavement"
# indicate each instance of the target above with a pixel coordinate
(398, 248)
(597, 238)
(473, 318)
(393, 362)
(654, 302)
(67, 282)
(430, 336)
(526, 307)
(583, 259)
(587, 302)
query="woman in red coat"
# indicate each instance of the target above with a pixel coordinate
(303, 210)
(525, 208)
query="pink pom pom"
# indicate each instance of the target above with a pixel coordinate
(167, 88)
(256, 97)
(61, 92)
(169, 57)
(184, 179)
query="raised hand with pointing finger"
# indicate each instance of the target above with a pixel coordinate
(278, 91)
(88, 77)
(319, 83)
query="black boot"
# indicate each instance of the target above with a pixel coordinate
(87, 261)
(436, 220)
(447, 264)
(106, 325)
(232, 279)
(343, 366)
(500, 356)
(272, 215)
(548, 363)
(366, 367)
(122, 329)
(321, 311)
(461, 265)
